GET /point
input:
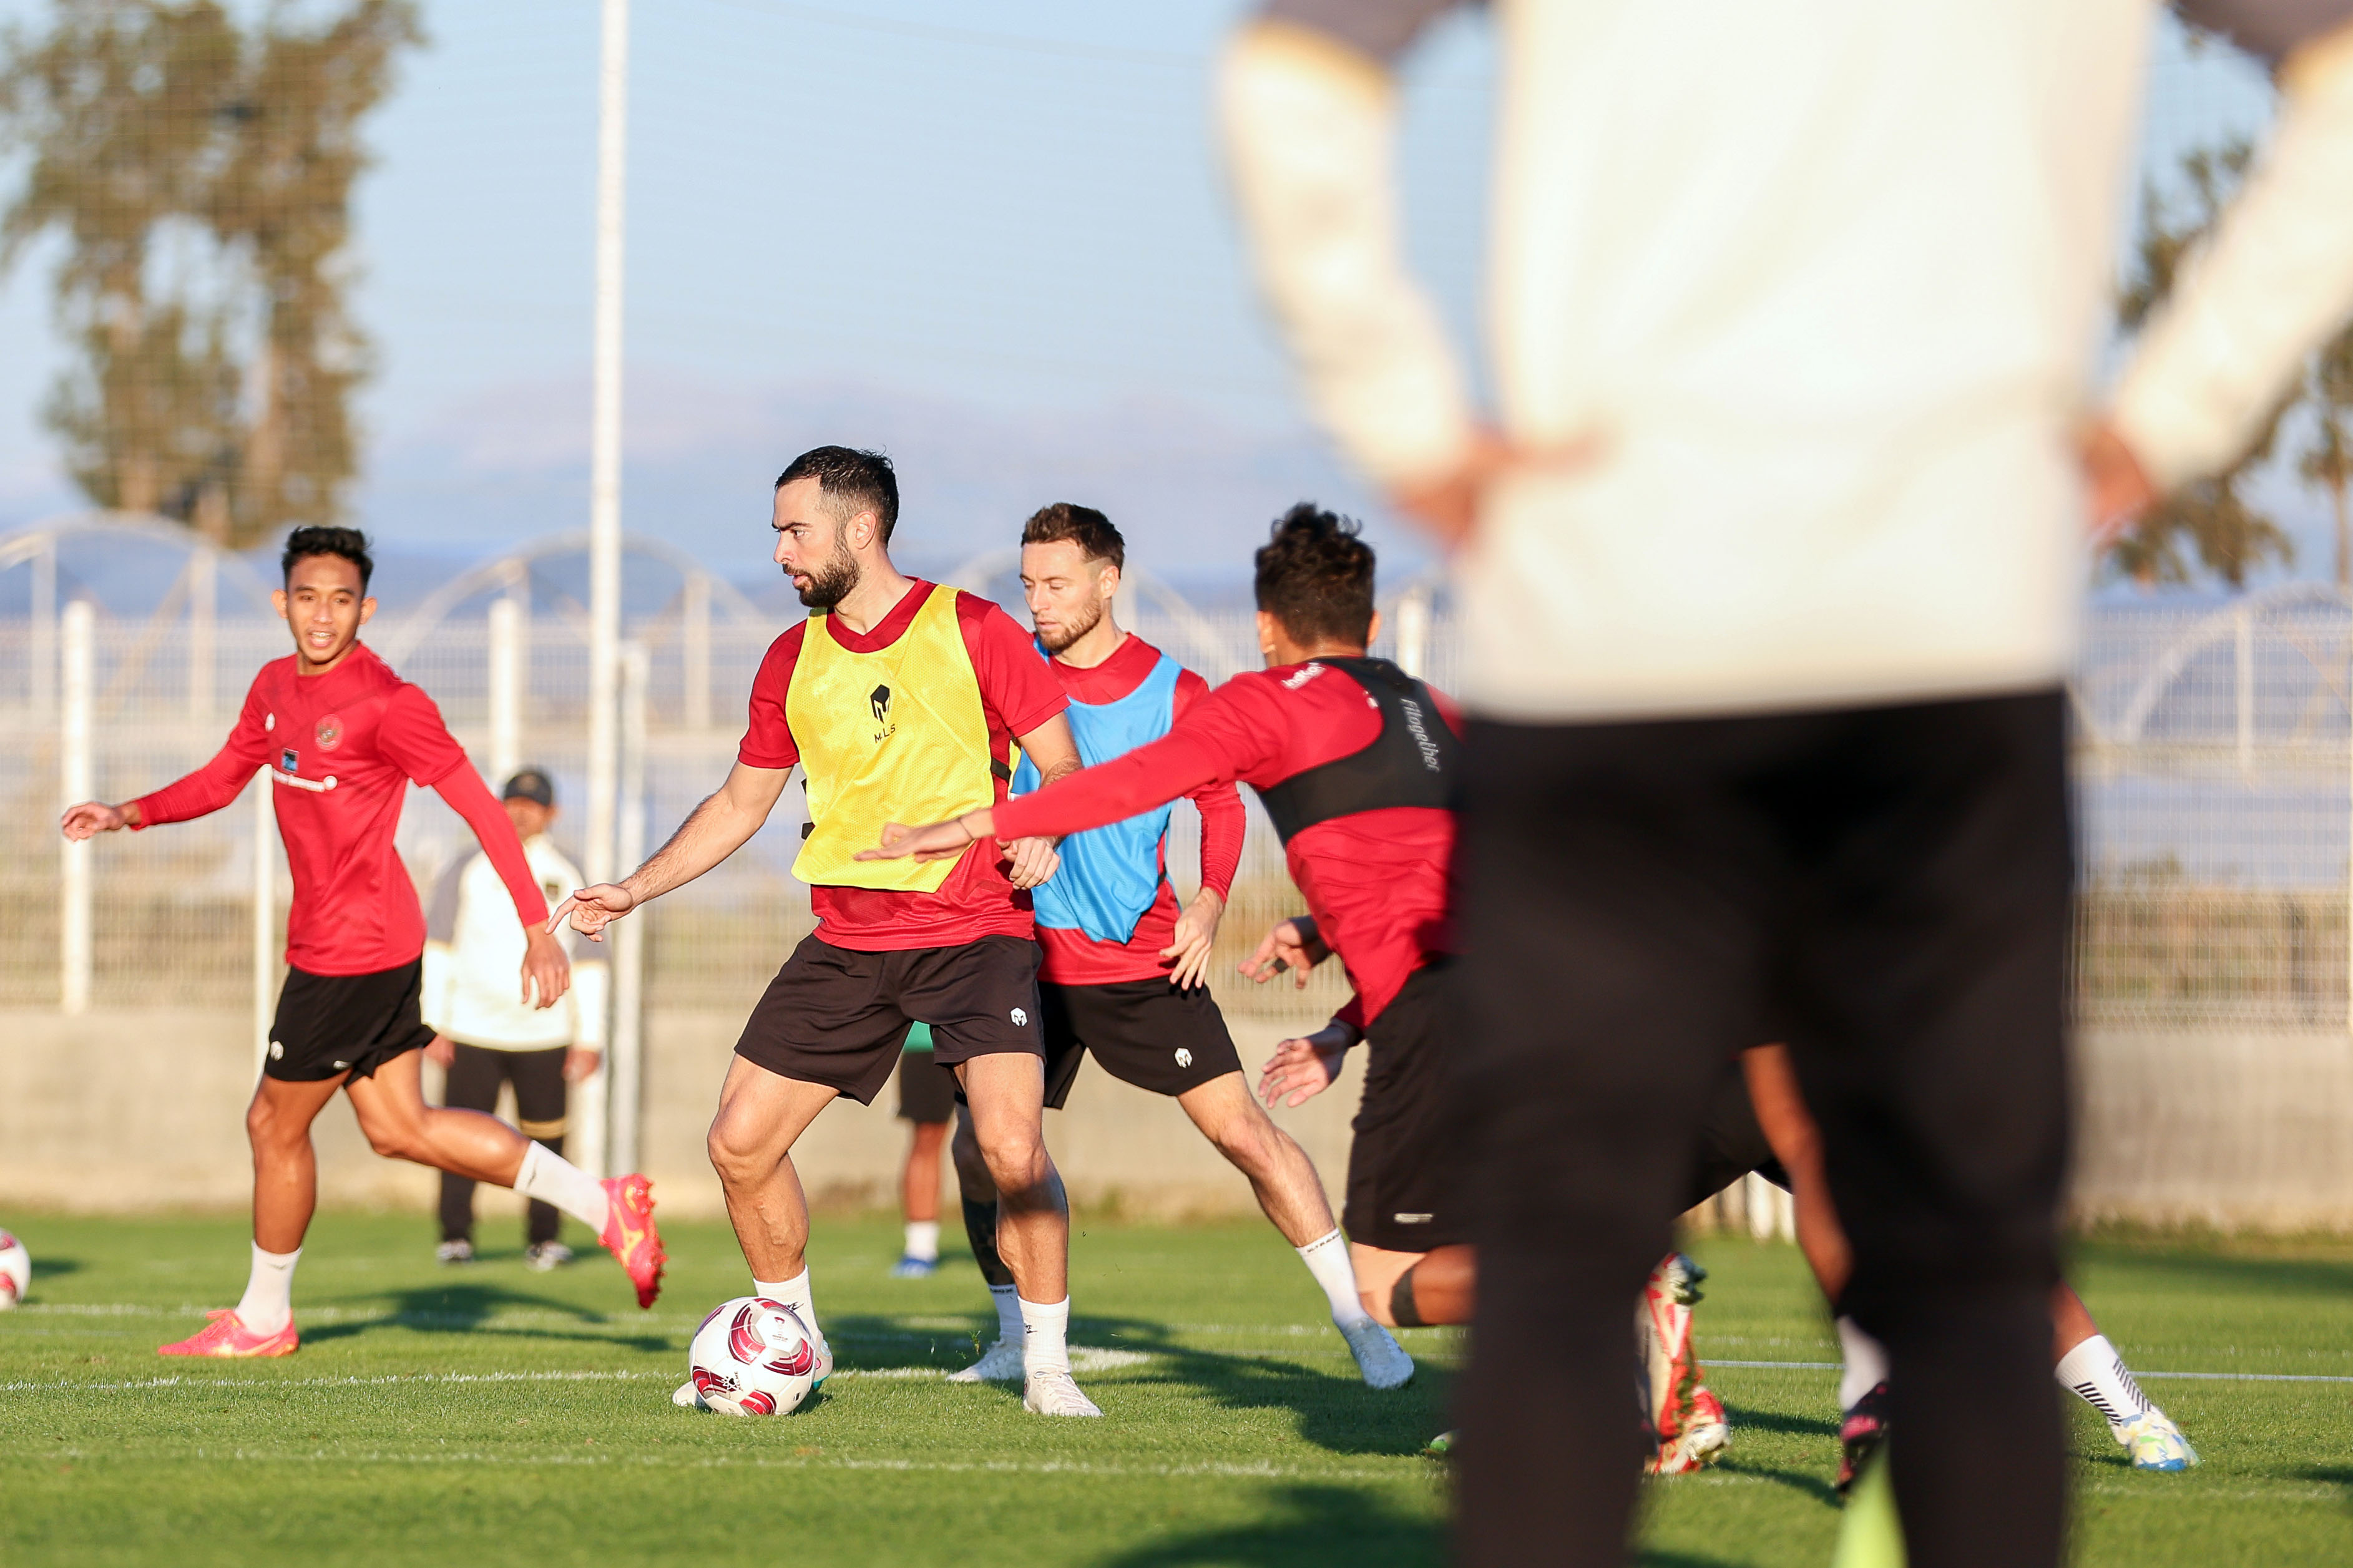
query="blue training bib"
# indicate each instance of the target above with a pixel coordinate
(1110, 874)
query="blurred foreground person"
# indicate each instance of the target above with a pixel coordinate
(1770, 584)
(483, 1036)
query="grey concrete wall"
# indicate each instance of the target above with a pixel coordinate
(130, 1110)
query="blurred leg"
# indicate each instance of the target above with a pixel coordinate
(472, 1085)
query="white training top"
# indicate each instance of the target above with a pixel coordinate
(473, 960)
(1824, 280)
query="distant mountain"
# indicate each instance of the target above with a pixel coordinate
(1192, 493)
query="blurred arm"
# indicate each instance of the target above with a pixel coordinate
(1309, 114)
(2275, 279)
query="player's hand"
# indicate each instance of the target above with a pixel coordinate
(1300, 1069)
(442, 1053)
(937, 841)
(1195, 933)
(93, 817)
(581, 1062)
(1034, 861)
(2118, 490)
(545, 969)
(1446, 505)
(593, 909)
(1292, 944)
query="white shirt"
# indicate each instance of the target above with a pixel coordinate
(473, 960)
(1824, 280)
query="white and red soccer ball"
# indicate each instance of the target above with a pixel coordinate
(15, 1271)
(754, 1356)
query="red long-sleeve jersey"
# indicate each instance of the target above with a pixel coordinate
(1072, 956)
(341, 749)
(1374, 880)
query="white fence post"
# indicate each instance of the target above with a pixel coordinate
(694, 650)
(265, 918)
(627, 1088)
(75, 784)
(506, 681)
(1413, 633)
(203, 587)
(41, 671)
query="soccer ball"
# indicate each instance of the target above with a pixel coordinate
(15, 1271)
(752, 1356)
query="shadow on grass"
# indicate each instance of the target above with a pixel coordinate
(1332, 1408)
(469, 1309)
(1803, 1482)
(1744, 1417)
(1302, 1527)
(1656, 1558)
(50, 1268)
(2316, 1276)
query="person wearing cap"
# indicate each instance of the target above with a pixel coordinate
(483, 1036)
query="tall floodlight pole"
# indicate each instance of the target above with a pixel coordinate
(605, 500)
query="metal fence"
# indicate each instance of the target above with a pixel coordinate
(2214, 766)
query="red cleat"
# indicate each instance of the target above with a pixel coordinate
(224, 1334)
(631, 1237)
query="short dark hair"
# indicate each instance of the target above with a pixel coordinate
(316, 539)
(1315, 576)
(1083, 526)
(851, 482)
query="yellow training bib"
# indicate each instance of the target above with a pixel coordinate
(897, 735)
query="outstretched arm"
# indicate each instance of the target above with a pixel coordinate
(717, 828)
(1051, 750)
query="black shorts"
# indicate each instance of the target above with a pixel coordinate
(1145, 1032)
(927, 1091)
(1732, 1142)
(839, 1017)
(328, 1025)
(1402, 1163)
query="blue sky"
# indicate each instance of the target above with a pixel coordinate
(991, 237)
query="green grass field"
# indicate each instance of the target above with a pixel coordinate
(494, 1416)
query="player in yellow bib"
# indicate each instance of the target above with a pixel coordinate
(900, 701)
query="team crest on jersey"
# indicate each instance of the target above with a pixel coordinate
(289, 760)
(331, 731)
(879, 700)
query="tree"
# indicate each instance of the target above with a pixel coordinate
(2210, 517)
(200, 175)
(2327, 459)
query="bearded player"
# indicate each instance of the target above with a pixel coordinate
(343, 737)
(896, 698)
(1122, 975)
(1353, 759)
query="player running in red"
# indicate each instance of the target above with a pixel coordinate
(1123, 972)
(342, 737)
(1354, 761)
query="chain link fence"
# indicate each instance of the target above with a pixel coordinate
(2213, 759)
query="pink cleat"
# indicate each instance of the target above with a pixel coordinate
(631, 1237)
(225, 1335)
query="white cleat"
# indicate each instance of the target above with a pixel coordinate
(686, 1398)
(1379, 1357)
(1052, 1391)
(1001, 1363)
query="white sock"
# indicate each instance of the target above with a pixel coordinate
(1866, 1363)
(553, 1179)
(269, 1303)
(1009, 1329)
(793, 1292)
(2099, 1375)
(924, 1239)
(1046, 1345)
(1327, 1257)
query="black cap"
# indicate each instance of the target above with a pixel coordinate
(530, 785)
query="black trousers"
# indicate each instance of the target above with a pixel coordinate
(1887, 890)
(538, 1090)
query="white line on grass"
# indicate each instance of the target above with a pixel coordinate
(1262, 1470)
(2138, 1372)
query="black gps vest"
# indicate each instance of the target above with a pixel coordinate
(1415, 760)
